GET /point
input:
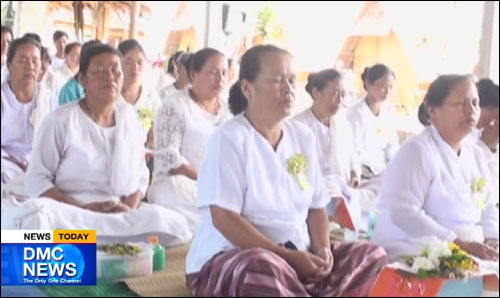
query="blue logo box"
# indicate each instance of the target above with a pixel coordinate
(48, 264)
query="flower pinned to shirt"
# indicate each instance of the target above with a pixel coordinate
(382, 130)
(146, 115)
(478, 187)
(297, 166)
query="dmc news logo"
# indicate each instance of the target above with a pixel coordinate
(50, 258)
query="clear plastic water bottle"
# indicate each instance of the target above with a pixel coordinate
(158, 253)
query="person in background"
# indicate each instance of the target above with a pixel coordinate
(87, 163)
(181, 130)
(6, 35)
(144, 100)
(69, 69)
(372, 121)
(163, 79)
(73, 90)
(183, 81)
(24, 105)
(232, 77)
(338, 160)
(60, 39)
(487, 127)
(46, 62)
(46, 77)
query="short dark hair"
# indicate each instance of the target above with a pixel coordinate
(18, 42)
(200, 58)
(371, 74)
(44, 55)
(127, 45)
(488, 93)
(90, 43)
(7, 29)
(58, 34)
(70, 46)
(171, 60)
(186, 59)
(89, 53)
(33, 36)
(438, 91)
(321, 79)
(250, 67)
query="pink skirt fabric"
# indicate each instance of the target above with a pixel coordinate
(258, 272)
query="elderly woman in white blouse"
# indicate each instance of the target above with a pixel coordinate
(24, 103)
(439, 184)
(181, 130)
(87, 164)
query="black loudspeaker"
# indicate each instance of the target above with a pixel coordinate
(232, 19)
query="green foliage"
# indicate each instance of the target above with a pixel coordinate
(265, 22)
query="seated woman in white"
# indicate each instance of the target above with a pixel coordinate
(183, 81)
(86, 164)
(264, 230)
(338, 159)
(181, 129)
(375, 137)
(24, 104)
(69, 69)
(325, 88)
(487, 127)
(144, 100)
(439, 184)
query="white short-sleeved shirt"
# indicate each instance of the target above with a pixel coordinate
(375, 138)
(243, 173)
(427, 191)
(57, 62)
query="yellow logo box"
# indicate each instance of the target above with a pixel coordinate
(74, 236)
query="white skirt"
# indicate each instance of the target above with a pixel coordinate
(178, 193)
(49, 214)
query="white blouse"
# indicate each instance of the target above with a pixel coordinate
(322, 135)
(492, 160)
(77, 156)
(20, 121)
(244, 174)
(169, 91)
(427, 191)
(62, 75)
(57, 62)
(4, 76)
(375, 137)
(181, 131)
(146, 106)
(343, 156)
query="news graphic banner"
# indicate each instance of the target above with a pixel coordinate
(48, 258)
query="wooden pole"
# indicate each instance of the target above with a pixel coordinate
(134, 16)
